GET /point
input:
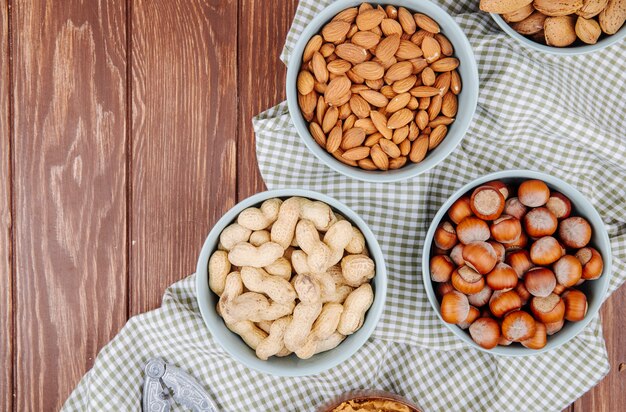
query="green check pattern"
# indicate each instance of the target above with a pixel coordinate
(562, 115)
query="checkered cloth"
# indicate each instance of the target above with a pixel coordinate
(562, 115)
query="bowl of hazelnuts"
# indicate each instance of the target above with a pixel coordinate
(516, 262)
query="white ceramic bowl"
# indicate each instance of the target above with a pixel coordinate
(290, 365)
(594, 289)
(560, 51)
(467, 98)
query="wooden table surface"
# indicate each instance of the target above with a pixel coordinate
(125, 134)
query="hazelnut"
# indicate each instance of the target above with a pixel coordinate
(575, 232)
(485, 332)
(523, 293)
(559, 205)
(540, 222)
(502, 277)
(443, 288)
(533, 193)
(466, 280)
(487, 202)
(454, 307)
(473, 315)
(480, 256)
(518, 326)
(575, 305)
(513, 207)
(460, 210)
(548, 309)
(506, 229)
(499, 249)
(441, 268)
(472, 229)
(481, 298)
(520, 243)
(503, 302)
(539, 339)
(545, 251)
(456, 254)
(591, 261)
(554, 327)
(568, 270)
(500, 186)
(539, 282)
(445, 236)
(520, 261)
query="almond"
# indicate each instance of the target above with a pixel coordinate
(338, 154)
(349, 122)
(519, 15)
(318, 134)
(445, 65)
(441, 120)
(380, 122)
(442, 82)
(354, 78)
(428, 77)
(587, 30)
(503, 6)
(591, 8)
(369, 19)
(398, 102)
(336, 90)
(400, 135)
(338, 66)
(379, 157)
(372, 139)
(367, 164)
(613, 16)
(449, 105)
(424, 102)
(311, 47)
(446, 47)
(435, 106)
(437, 136)
(334, 139)
(423, 91)
(397, 163)
(367, 125)
(356, 153)
(351, 52)
(531, 24)
(347, 15)
(335, 31)
(318, 64)
(374, 98)
(560, 31)
(359, 106)
(390, 148)
(455, 82)
(408, 50)
(391, 26)
(388, 92)
(398, 71)
(419, 148)
(307, 102)
(366, 39)
(406, 20)
(369, 70)
(418, 36)
(554, 8)
(405, 147)
(320, 110)
(421, 119)
(419, 64)
(375, 84)
(426, 23)
(327, 49)
(387, 47)
(400, 118)
(305, 82)
(404, 85)
(352, 138)
(431, 49)
(330, 119)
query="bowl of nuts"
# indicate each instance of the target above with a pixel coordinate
(516, 262)
(565, 27)
(291, 282)
(382, 93)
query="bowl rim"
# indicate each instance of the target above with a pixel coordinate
(560, 51)
(351, 344)
(456, 135)
(590, 213)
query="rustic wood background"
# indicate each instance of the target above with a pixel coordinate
(125, 134)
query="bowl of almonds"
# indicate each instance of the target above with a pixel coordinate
(564, 27)
(382, 92)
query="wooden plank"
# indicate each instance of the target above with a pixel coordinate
(6, 274)
(69, 191)
(610, 394)
(263, 28)
(184, 99)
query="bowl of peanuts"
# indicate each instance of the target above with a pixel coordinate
(291, 282)
(517, 263)
(382, 92)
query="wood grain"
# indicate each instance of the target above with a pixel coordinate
(69, 191)
(262, 33)
(6, 275)
(610, 393)
(184, 126)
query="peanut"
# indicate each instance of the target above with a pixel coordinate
(273, 343)
(258, 237)
(307, 288)
(354, 308)
(248, 331)
(260, 218)
(317, 212)
(357, 243)
(219, 268)
(304, 315)
(284, 227)
(258, 280)
(308, 240)
(281, 268)
(357, 269)
(337, 238)
(234, 234)
(245, 254)
(254, 307)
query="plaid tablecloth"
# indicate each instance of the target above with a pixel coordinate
(562, 115)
